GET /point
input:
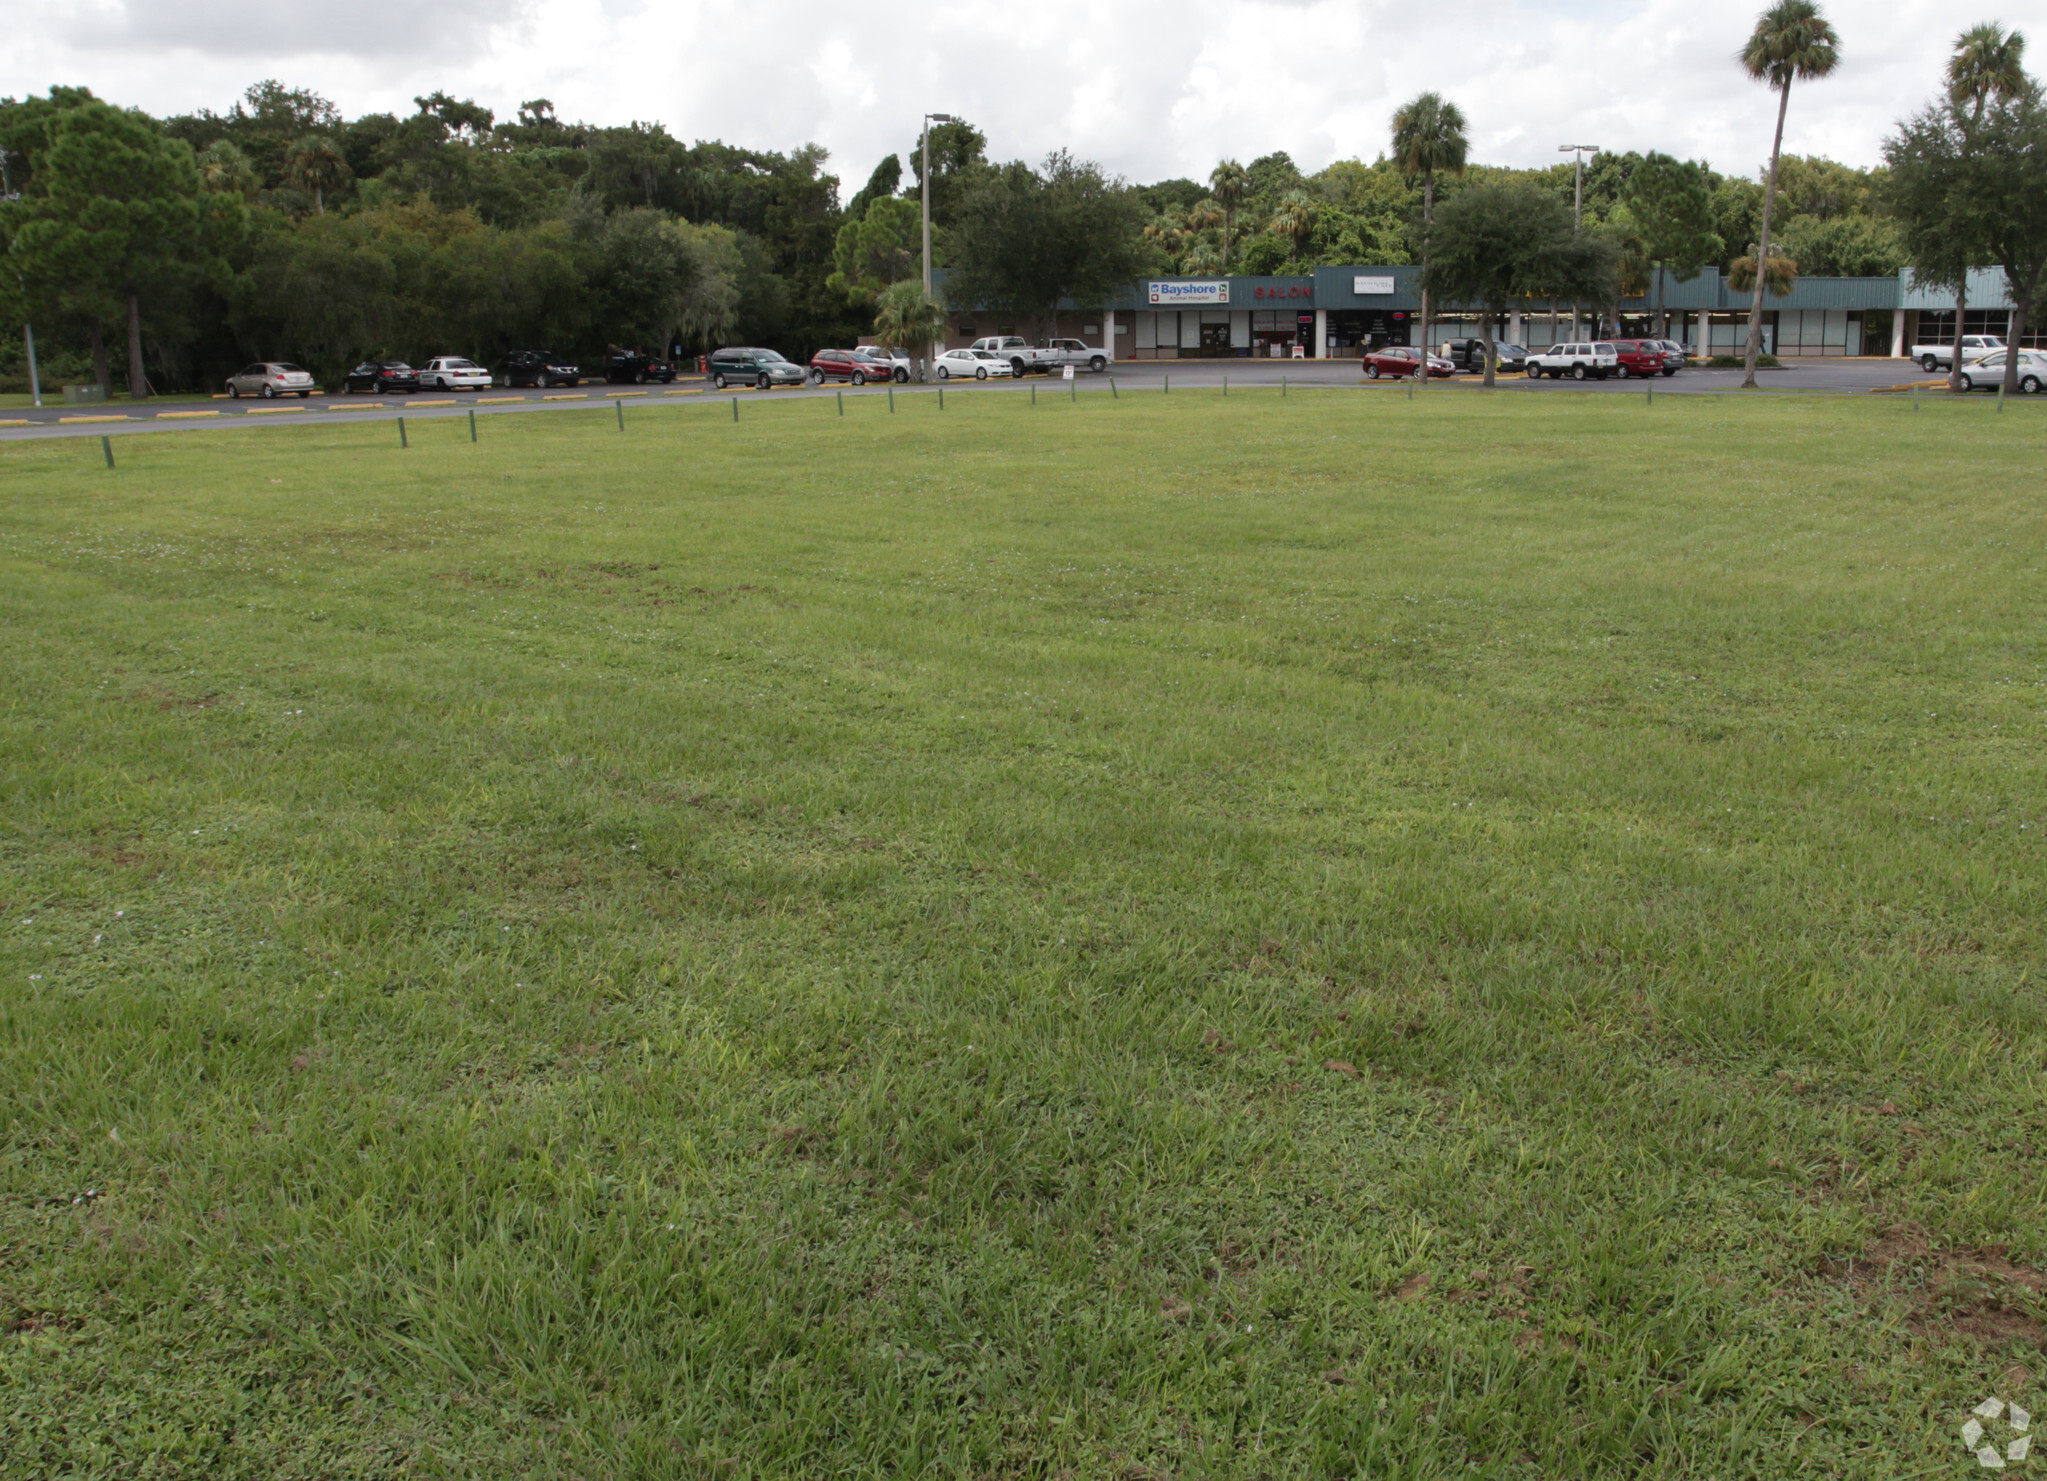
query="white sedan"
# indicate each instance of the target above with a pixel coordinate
(1988, 372)
(453, 373)
(980, 364)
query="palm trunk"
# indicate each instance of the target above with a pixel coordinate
(100, 371)
(1487, 321)
(138, 384)
(1754, 346)
(2021, 311)
(319, 202)
(1954, 370)
(1226, 243)
(1662, 318)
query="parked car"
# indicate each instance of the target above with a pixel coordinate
(1679, 356)
(1643, 357)
(630, 367)
(1022, 355)
(1072, 352)
(886, 364)
(453, 373)
(542, 368)
(270, 379)
(1403, 360)
(1469, 354)
(1940, 357)
(381, 376)
(1988, 372)
(747, 365)
(850, 366)
(1594, 360)
(980, 364)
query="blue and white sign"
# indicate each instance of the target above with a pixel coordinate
(1363, 286)
(1217, 292)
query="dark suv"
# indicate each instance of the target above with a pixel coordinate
(381, 376)
(749, 365)
(1469, 354)
(542, 368)
(630, 366)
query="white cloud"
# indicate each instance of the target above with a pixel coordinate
(1151, 88)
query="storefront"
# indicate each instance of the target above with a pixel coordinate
(1219, 318)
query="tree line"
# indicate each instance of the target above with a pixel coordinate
(172, 250)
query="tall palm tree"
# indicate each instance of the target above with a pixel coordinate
(314, 163)
(1791, 40)
(1294, 220)
(1429, 136)
(1987, 63)
(1227, 182)
(224, 168)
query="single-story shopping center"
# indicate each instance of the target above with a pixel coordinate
(1338, 312)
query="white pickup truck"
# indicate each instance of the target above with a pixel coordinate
(1022, 355)
(1942, 357)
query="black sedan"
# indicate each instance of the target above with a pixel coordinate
(542, 368)
(630, 367)
(381, 376)
(1469, 354)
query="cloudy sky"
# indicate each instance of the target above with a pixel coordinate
(1151, 88)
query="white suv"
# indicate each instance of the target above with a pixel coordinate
(453, 373)
(1585, 360)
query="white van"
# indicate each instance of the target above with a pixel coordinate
(1588, 359)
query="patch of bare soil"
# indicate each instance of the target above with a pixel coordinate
(1956, 1291)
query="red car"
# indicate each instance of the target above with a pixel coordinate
(1645, 357)
(1401, 360)
(843, 365)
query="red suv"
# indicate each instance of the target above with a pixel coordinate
(1645, 357)
(843, 365)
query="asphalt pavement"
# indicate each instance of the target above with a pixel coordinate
(1836, 377)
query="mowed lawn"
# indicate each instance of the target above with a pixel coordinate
(1158, 937)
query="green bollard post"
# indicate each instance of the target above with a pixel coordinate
(735, 408)
(1649, 396)
(402, 440)
(1114, 394)
(891, 395)
(1915, 396)
(1282, 388)
(1169, 386)
(107, 447)
(472, 424)
(1226, 386)
(621, 414)
(1034, 393)
(941, 398)
(2000, 398)
(842, 403)
(1073, 389)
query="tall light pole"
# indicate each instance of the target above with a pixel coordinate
(1578, 191)
(925, 175)
(1578, 153)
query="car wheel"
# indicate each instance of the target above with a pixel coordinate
(859, 377)
(1928, 364)
(981, 374)
(1968, 382)
(1098, 364)
(2030, 386)
(718, 381)
(817, 377)
(1371, 371)
(269, 393)
(639, 378)
(902, 376)
(763, 383)
(944, 374)
(1670, 370)
(1577, 372)
(234, 392)
(304, 394)
(1016, 368)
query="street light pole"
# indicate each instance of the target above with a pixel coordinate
(924, 176)
(1578, 151)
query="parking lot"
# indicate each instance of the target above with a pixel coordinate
(1836, 376)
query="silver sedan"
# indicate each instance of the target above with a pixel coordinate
(271, 378)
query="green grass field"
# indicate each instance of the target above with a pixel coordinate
(1147, 938)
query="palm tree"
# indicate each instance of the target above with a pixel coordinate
(315, 164)
(1294, 220)
(904, 319)
(1227, 182)
(1791, 40)
(224, 168)
(1429, 135)
(1987, 63)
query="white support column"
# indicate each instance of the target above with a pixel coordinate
(1514, 328)
(1898, 333)
(1109, 332)
(1322, 334)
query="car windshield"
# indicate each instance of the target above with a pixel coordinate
(1512, 350)
(984, 355)
(773, 357)
(290, 369)
(458, 365)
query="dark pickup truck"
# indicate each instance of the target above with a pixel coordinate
(630, 367)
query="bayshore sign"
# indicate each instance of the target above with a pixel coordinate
(1189, 292)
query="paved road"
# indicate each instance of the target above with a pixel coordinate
(1828, 376)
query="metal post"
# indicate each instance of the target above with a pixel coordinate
(1915, 397)
(1073, 390)
(1114, 394)
(891, 395)
(107, 447)
(1226, 386)
(472, 424)
(1034, 393)
(2000, 397)
(1282, 388)
(402, 440)
(35, 380)
(735, 408)
(620, 406)
(941, 397)
(842, 403)
(1169, 386)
